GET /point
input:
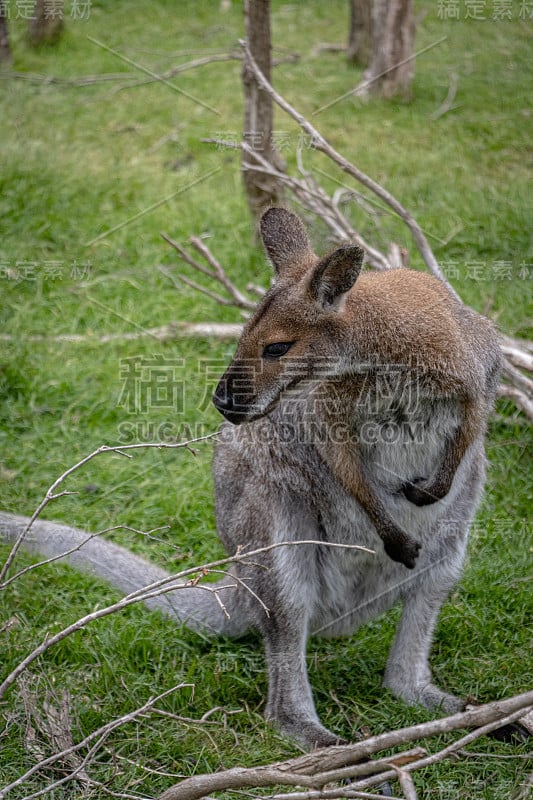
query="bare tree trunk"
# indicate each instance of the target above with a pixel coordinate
(261, 191)
(5, 50)
(46, 23)
(360, 34)
(392, 65)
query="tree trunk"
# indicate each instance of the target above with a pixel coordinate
(46, 23)
(5, 50)
(360, 34)
(262, 191)
(392, 65)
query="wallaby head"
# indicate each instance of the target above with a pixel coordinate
(296, 333)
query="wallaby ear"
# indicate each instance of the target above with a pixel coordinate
(335, 274)
(285, 238)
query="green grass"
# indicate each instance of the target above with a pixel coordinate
(78, 161)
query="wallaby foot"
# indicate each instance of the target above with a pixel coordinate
(427, 695)
(308, 732)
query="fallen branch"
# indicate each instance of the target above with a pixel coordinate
(170, 332)
(319, 143)
(313, 197)
(215, 273)
(289, 58)
(171, 73)
(94, 741)
(315, 770)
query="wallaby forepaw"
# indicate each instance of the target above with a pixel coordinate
(417, 494)
(405, 552)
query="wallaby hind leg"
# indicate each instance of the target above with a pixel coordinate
(408, 674)
(290, 703)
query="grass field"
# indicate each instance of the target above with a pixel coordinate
(80, 253)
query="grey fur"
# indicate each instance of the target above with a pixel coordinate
(282, 492)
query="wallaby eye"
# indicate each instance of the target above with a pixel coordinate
(276, 349)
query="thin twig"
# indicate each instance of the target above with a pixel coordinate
(100, 735)
(519, 398)
(319, 143)
(159, 587)
(216, 273)
(71, 550)
(152, 74)
(448, 104)
(173, 71)
(51, 495)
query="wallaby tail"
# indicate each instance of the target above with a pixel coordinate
(195, 606)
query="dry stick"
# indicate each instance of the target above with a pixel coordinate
(445, 752)
(219, 272)
(50, 494)
(521, 390)
(290, 58)
(519, 343)
(163, 586)
(217, 330)
(370, 767)
(222, 301)
(318, 768)
(100, 735)
(74, 549)
(518, 398)
(313, 197)
(173, 71)
(327, 794)
(152, 74)
(521, 381)
(319, 143)
(515, 354)
(216, 274)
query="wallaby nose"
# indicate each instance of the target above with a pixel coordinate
(221, 402)
(228, 406)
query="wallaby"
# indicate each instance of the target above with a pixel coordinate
(310, 326)
(329, 364)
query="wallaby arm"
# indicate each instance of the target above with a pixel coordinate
(349, 471)
(423, 492)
